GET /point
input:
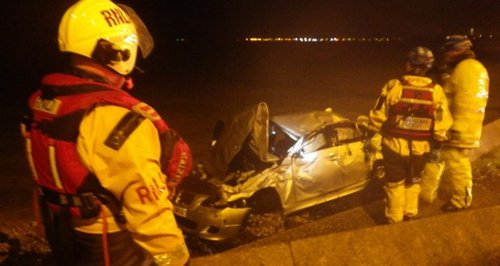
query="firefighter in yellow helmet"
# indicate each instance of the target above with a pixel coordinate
(466, 83)
(105, 164)
(411, 114)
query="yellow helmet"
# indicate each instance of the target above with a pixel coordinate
(105, 32)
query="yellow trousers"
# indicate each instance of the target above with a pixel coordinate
(431, 177)
(458, 174)
(400, 200)
(453, 174)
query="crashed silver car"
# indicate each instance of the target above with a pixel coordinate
(260, 165)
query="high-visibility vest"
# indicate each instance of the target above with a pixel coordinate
(413, 116)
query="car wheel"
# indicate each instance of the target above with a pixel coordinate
(266, 217)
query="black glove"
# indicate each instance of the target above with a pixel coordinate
(435, 153)
(436, 144)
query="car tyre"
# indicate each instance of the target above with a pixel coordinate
(266, 217)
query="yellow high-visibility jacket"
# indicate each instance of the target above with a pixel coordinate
(467, 89)
(390, 95)
(133, 174)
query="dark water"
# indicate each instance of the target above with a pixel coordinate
(205, 84)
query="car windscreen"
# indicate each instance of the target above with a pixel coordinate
(279, 141)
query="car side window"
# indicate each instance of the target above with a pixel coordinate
(316, 142)
(279, 142)
(332, 135)
(346, 133)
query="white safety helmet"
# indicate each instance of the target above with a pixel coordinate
(456, 43)
(108, 33)
(420, 56)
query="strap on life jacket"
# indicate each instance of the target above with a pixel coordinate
(87, 201)
(64, 128)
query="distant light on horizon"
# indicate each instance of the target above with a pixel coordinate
(308, 39)
(471, 33)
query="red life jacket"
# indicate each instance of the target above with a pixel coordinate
(413, 116)
(57, 110)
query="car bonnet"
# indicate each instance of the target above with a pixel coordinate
(252, 122)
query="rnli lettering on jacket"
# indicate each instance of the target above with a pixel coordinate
(413, 116)
(51, 134)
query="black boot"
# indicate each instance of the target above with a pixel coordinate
(407, 218)
(449, 207)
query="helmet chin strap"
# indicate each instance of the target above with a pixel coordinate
(129, 83)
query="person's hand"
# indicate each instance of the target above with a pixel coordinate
(435, 155)
(436, 145)
(369, 146)
(373, 144)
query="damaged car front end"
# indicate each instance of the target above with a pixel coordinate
(272, 166)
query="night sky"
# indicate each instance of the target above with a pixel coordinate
(240, 18)
(236, 18)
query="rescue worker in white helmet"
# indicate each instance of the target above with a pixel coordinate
(411, 113)
(104, 163)
(466, 84)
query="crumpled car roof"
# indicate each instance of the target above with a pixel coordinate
(298, 125)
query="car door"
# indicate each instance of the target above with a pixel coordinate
(329, 160)
(351, 159)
